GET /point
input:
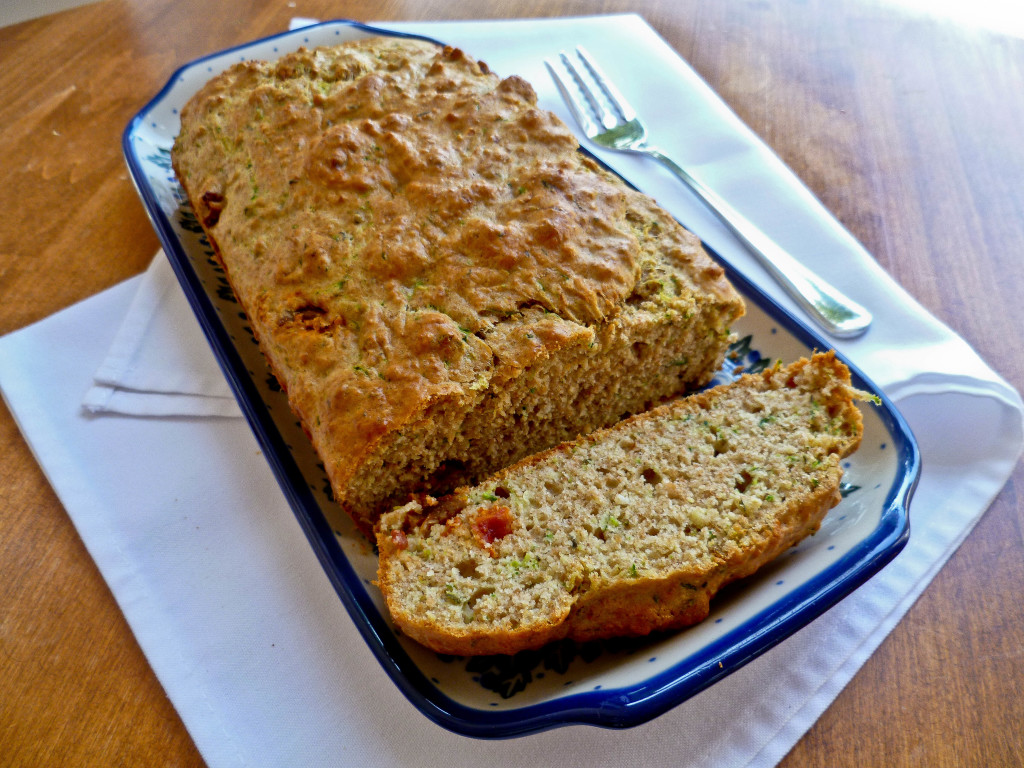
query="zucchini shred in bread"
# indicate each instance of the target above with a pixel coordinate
(631, 529)
(439, 279)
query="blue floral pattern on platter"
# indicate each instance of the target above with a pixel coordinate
(614, 683)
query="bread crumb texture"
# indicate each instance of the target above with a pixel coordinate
(442, 283)
(631, 529)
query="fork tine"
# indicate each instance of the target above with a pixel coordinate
(616, 99)
(606, 119)
(582, 116)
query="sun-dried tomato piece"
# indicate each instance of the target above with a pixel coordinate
(492, 524)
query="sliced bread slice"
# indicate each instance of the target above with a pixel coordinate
(628, 530)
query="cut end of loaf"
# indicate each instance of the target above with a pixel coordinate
(628, 530)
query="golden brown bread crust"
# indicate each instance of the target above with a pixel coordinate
(710, 520)
(413, 240)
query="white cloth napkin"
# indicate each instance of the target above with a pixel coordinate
(159, 363)
(231, 607)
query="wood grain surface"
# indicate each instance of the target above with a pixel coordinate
(907, 126)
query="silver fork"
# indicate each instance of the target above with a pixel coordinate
(608, 120)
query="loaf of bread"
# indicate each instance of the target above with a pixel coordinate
(628, 530)
(440, 280)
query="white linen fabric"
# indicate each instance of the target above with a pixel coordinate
(229, 603)
(159, 363)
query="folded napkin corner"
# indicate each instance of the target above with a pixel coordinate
(159, 363)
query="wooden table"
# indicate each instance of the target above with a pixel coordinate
(908, 127)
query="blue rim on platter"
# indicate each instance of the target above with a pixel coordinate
(614, 685)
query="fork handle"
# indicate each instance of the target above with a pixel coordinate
(833, 310)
